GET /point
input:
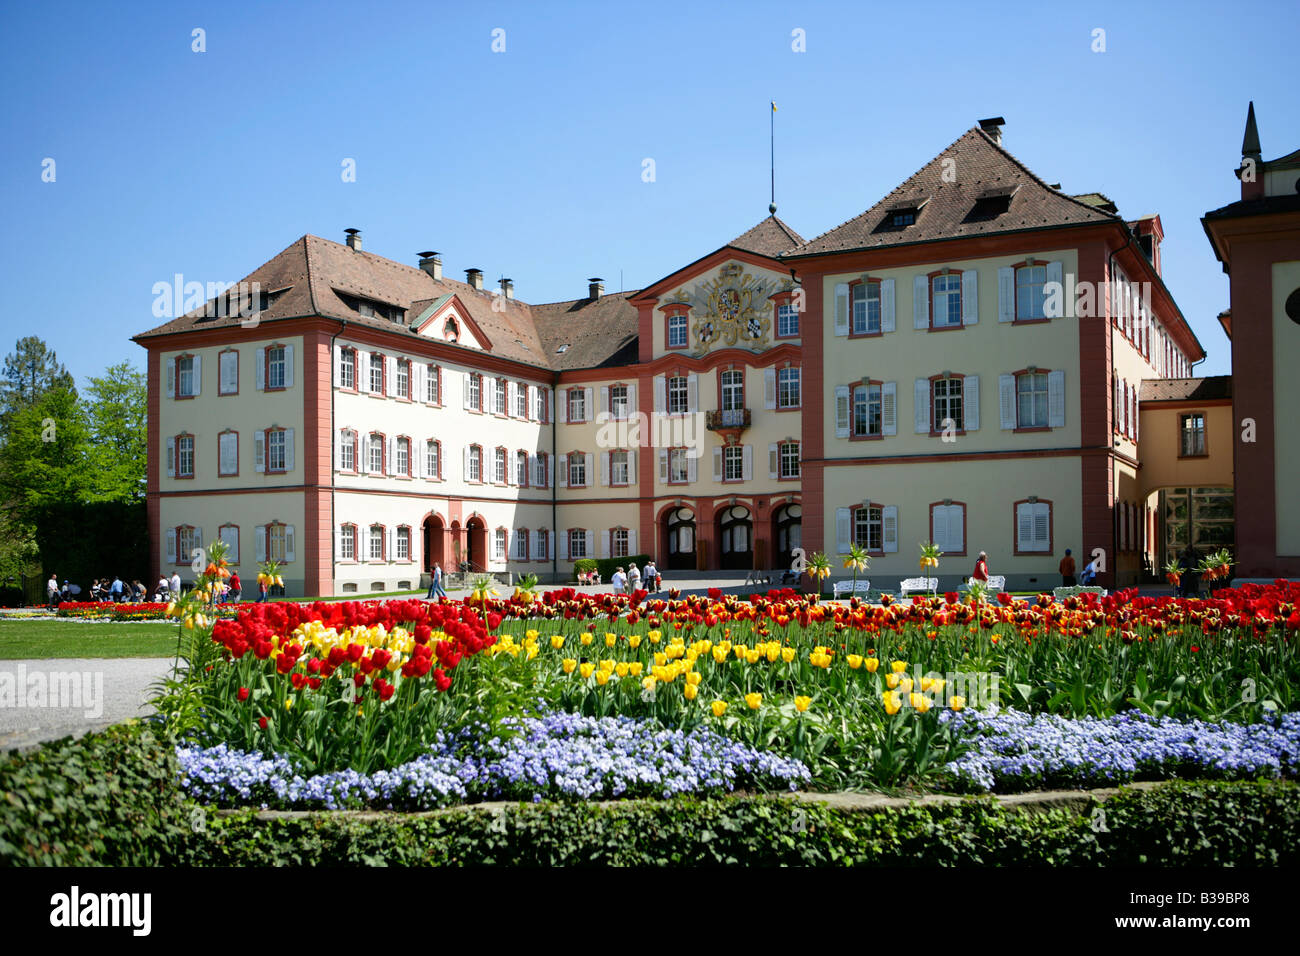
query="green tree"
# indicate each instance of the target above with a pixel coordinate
(116, 435)
(42, 462)
(30, 371)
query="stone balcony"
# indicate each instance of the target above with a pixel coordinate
(732, 418)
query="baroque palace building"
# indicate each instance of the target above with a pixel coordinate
(963, 363)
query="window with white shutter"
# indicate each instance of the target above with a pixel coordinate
(1033, 527)
(228, 453)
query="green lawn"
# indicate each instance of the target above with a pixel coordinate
(40, 639)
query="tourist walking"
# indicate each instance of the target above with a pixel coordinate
(981, 572)
(651, 577)
(436, 590)
(1067, 570)
(633, 579)
(1090, 573)
(619, 580)
(236, 587)
(174, 585)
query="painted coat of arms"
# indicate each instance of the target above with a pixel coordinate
(734, 307)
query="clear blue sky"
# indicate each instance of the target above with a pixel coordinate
(527, 163)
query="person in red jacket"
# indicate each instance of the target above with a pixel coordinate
(981, 568)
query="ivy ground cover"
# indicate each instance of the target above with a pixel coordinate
(416, 703)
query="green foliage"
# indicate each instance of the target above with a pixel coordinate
(107, 799)
(116, 431)
(1220, 824)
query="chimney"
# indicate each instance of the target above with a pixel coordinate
(993, 128)
(354, 239)
(474, 277)
(595, 288)
(432, 264)
(508, 288)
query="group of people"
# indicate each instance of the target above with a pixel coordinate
(634, 579)
(1066, 567)
(120, 592)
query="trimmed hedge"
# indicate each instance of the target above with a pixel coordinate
(108, 798)
(111, 798)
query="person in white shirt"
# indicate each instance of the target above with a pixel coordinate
(619, 580)
(633, 579)
(175, 586)
(52, 591)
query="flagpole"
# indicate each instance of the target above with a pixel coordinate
(772, 137)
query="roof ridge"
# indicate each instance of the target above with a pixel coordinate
(1036, 178)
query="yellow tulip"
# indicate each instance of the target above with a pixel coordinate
(661, 659)
(620, 669)
(893, 703)
(871, 664)
(787, 654)
(288, 703)
(751, 657)
(690, 690)
(958, 702)
(720, 655)
(898, 666)
(754, 700)
(611, 640)
(602, 677)
(585, 669)
(920, 702)
(557, 641)
(569, 665)
(634, 668)
(801, 703)
(586, 638)
(649, 683)
(905, 685)
(719, 708)
(634, 641)
(694, 677)
(654, 636)
(891, 681)
(855, 661)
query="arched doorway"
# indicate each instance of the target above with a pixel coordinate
(433, 542)
(476, 543)
(679, 542)
(787, 534)
(735, 538)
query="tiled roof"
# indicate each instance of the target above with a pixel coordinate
(599, 333)
(983, 170)
(771, 237)
(1262, 206)
(1186, 389)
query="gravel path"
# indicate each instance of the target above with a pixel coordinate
(42, 700)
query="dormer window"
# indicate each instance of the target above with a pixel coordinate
(903, 218)
(902, 215)
(373, 309)
(451, 331)
(992, 203)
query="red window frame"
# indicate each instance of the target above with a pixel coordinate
(433, 371)
(868, 383)
(383, 375)
(235, 473)
(410, 453)
(527, 482)
(868, 281)
(778, 300)
(730, 368)
(954, 376)
(182, 559)
(671, 311)
(266, 368)
(788, 408)
(176, 384)
(961, 304)
(356, 372)
(568, 467)
(501, 454)
(568, 406)
(476, 451)
(798, 454)
(349, 527)
(853, 525)
(425, 451)
(1051, 527)
(410, 544)
(1015, 282)
(965, 514)
(383, 454)
(1020, 429)
(227, 351)
(194, 457)
(609, 466)
(383, 543)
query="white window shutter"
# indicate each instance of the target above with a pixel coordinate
(419, 391)
(537, 547)
(920, 302)
(288, 449)
(562, 400)
(1042, 517)
(390, 539)
(171, 378)
(769, 388)
(970, 402)
(604, 399)
(591, 542)
(956, 527)
(661, 393)
(563, 537)
(841, 308)
(464, 381)
(842, 411)
(288, 366)
(604, 469)
(889, 527)
(260, 369)
(604, 544)
(1007, 401)
(259, 543)
(590, 463)
(290, 547)
(631, 540)
(1056, 398)
(1007, 294)
(361, 376)
(390, 456)
(466, 463)
(259, 450)
(588, 396)
(198, 374)
(921, 403)
(632, 478)
(692, 393)
(747, 463)
(887, 322)
(171, 545)
(717, 464)
(1056, 280)
(843, 530)
(631, 398)
(563, 466)
(663, 466)
(692, 469)
(171, 458)
(889, 408)
(939, 527)
(773, 460)
(970, 297)
(338, 364)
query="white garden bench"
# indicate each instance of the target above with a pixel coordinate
(995, 583)
(929, 585)
(862, 588)
(1061, 594)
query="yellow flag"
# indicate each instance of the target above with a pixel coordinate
(774, 106)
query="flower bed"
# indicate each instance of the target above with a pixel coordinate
(126, 611)
(1017, 751)
(556, 755)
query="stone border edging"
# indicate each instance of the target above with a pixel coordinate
(1035, 800)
